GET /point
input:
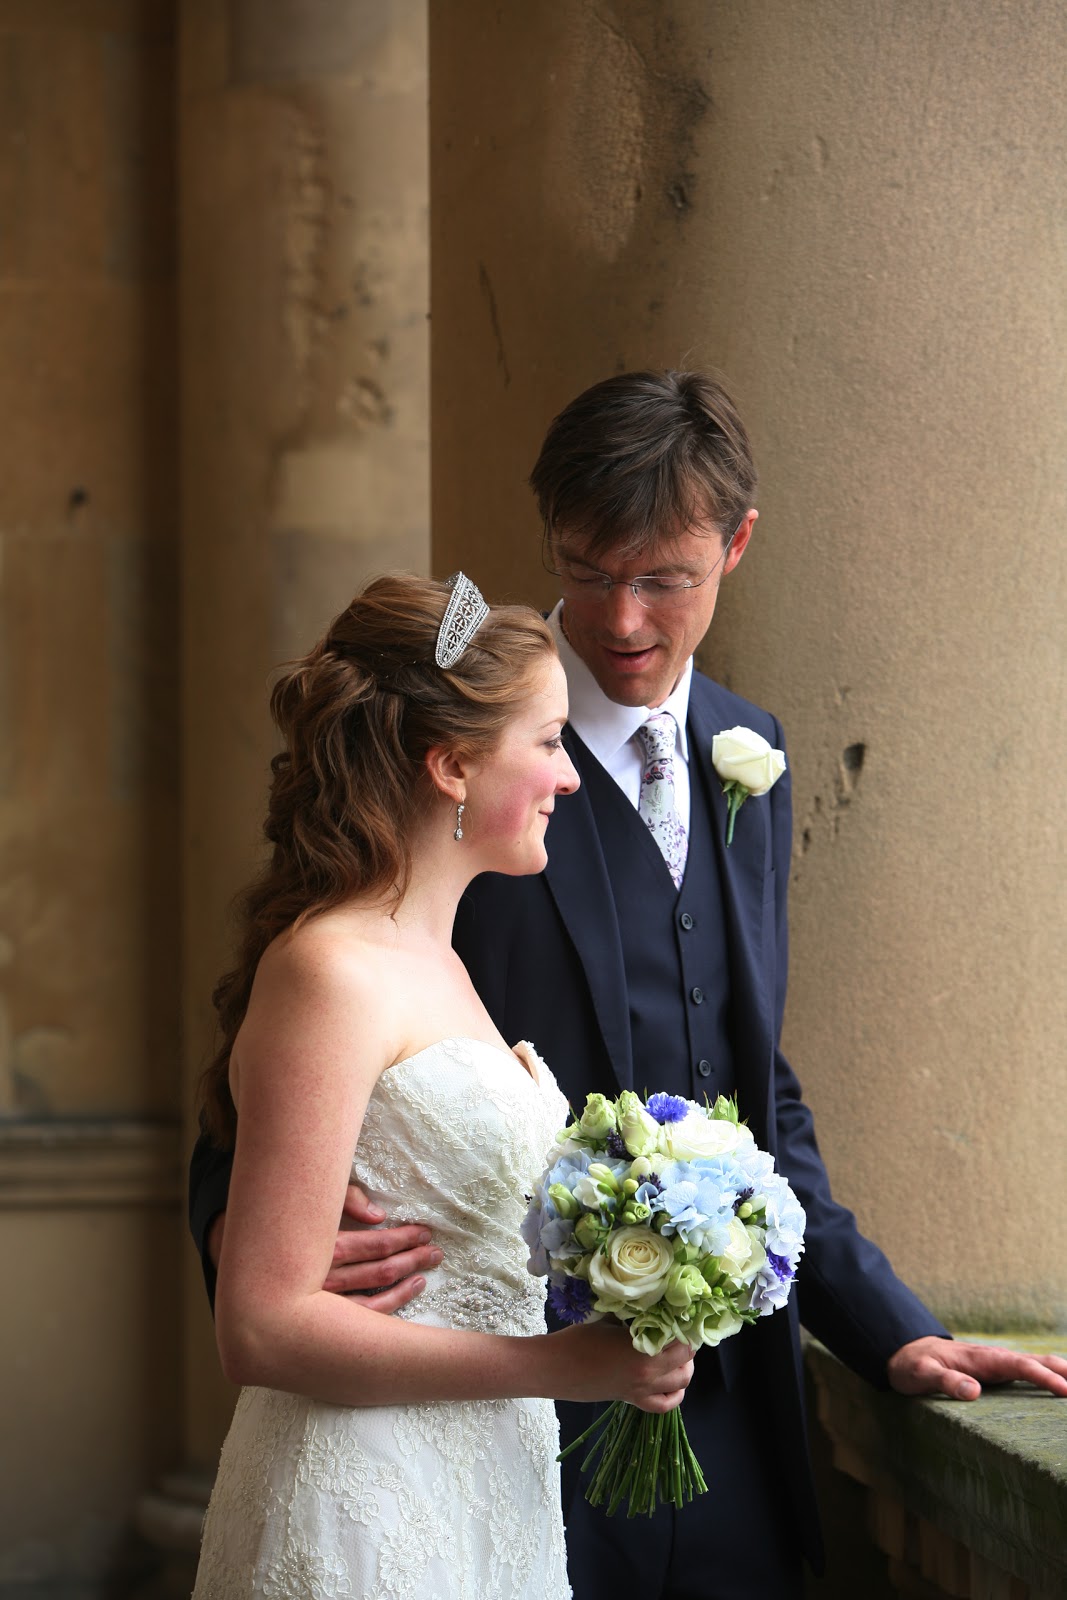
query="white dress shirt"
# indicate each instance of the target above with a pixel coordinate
(608, 730)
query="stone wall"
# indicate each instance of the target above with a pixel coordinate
(856, 215)
(89, 774)
(213, 304)
(305, 443)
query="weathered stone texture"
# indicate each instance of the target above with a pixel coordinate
(88, 522)
(304, 415)
(858, 217)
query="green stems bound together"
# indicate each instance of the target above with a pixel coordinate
(643, 1459)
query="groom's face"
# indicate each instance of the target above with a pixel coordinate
(637, 651)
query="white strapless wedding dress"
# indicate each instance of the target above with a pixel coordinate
(456, 1501)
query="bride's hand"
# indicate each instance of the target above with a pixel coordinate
(599, 1362)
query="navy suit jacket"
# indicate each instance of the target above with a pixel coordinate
(546, 957)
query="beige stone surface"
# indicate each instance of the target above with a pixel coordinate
(89, 1411)
(858, 217)
(304, 416)
(89, 893)
(88, 681)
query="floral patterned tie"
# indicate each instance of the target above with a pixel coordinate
(656, 805)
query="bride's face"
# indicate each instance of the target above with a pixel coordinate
(511, 793)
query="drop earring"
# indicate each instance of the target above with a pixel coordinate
(460, 809)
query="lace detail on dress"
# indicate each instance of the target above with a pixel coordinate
(454, 1501)
(483, 1304)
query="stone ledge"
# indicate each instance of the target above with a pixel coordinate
(967, 1499)
(73, 1161)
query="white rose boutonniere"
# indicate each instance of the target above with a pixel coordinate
(747, 764)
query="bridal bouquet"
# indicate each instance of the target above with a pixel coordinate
(666, 1215)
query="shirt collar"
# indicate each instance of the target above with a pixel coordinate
(602, 725)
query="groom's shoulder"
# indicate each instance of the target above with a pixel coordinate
(717, 707)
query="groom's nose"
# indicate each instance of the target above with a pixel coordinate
(624, 613)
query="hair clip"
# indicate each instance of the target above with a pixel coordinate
(464, 615)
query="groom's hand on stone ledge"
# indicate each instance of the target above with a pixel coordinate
(386, 1261)
(950, 1366)
(389, 1260)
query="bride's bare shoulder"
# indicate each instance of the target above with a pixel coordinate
(332, 959)
(324, 1006)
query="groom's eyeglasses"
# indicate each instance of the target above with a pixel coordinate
(654, 592)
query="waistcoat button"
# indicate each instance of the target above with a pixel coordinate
(686, 920)
(698, 997)
(704, 1068)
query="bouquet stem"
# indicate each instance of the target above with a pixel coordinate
(644, 1459)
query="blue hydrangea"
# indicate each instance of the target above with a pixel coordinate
(540, 1213)
(757, 1166)
(667, 1108)
(649, 1192)
(727, 1173)
(771, 1286)
(785, 1219)
(571, 1299)
(698, 1209)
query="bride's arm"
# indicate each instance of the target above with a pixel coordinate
(309, 1054)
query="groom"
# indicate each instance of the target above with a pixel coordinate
(657, 960)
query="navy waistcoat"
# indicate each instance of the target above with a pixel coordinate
(673, 942)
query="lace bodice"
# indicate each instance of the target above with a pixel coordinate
(427, 1502)
(455, 1138)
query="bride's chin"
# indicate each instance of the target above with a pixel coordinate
(525, 864)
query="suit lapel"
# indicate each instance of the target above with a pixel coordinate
(577, 878)
(743, 876)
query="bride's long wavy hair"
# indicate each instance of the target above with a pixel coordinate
(358, 715)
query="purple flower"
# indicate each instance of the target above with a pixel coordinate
(571, 1300)
(667, 1108)
(743, 1195)
(616, 1146)
(780, 1265)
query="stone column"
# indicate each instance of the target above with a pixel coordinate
(89, 998)
(304, 416)
(858, 216)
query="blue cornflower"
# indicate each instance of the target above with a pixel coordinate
(571, 1300)
(667, 1108)
(780, 1265)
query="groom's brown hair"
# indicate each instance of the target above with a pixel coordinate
(640, 458)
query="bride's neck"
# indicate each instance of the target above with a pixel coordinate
(440, 872)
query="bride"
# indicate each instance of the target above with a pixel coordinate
(411, 1455)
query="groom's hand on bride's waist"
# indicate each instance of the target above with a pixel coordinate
(388, 1262)
(383, 1265)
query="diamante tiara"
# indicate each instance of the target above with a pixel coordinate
(464, 615)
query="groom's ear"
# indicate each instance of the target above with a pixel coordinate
(739, 542)
(448, 771)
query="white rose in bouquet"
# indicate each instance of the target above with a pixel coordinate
(633, 1267)
(744, 1256)
(699, 1135)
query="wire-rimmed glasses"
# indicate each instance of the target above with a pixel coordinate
(654, 591)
